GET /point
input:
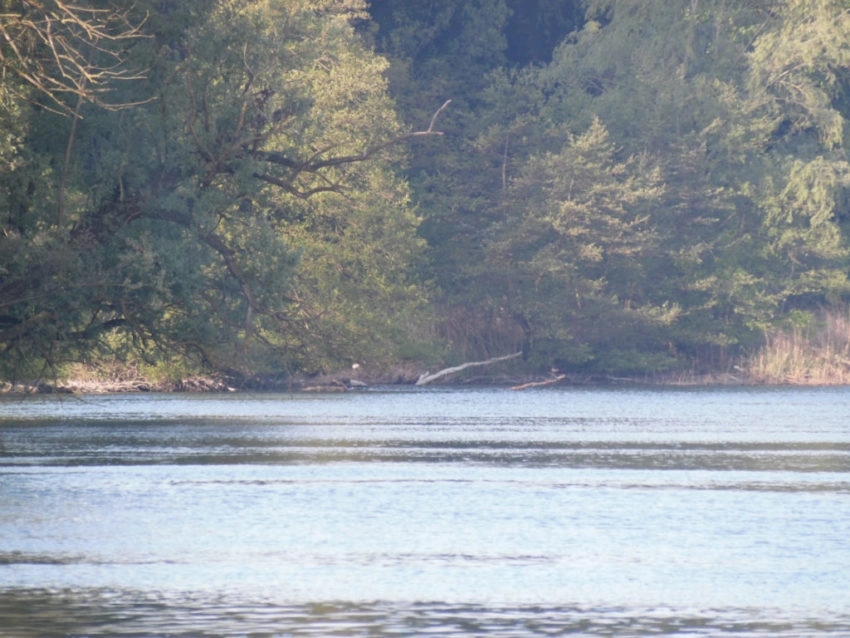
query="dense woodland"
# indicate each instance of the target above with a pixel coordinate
(272, 187)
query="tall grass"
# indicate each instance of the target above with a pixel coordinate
(817, 354)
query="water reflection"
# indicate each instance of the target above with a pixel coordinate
(44, 612)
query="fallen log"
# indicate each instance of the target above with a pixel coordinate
(428, 377)
(536, 384)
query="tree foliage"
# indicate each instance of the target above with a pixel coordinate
(734, 113)
(618, 185)
(178, 226)
(575, 235)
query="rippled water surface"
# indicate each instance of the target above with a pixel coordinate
(592, 511)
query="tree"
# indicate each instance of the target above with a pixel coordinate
(536, 27)
(739, 108)
(185, 218)
(442, 49)
(576, 234)
(747, 225)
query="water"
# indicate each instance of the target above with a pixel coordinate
(427, 512)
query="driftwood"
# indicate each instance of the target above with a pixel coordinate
(428, 377)
(536, 384)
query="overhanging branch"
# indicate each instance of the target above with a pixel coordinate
(315, 163)
(51, 47)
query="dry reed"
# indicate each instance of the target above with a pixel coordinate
(816, 355)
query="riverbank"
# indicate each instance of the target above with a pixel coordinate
(116, 379)
(87, 386)
(815, 354)
(346, 381)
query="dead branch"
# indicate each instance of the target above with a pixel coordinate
(430, 130)
(315, 164)
(428, 378)
(51, 48)
(537, 384)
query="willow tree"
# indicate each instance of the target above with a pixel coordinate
(261, 135)
(797, 81)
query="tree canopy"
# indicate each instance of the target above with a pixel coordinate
(280, 186)
(234, 214)
(713, 204)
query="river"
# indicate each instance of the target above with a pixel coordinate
(439, 512)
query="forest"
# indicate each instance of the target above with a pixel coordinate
(271, 188)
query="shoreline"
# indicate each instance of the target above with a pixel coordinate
(345, 382)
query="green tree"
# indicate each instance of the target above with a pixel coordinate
(576, 234)
(754, 177)
(262, 130)
(442, 49)
(739, 107)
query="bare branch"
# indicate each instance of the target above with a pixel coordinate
(537, 384)
(51, 46)
(428, 378)
(289, 188)
(430, 130)
(315, 164)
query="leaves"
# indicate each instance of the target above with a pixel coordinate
(658, 188)
(797, 63)
(717, 191)
(577, 230)
(186, 218)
